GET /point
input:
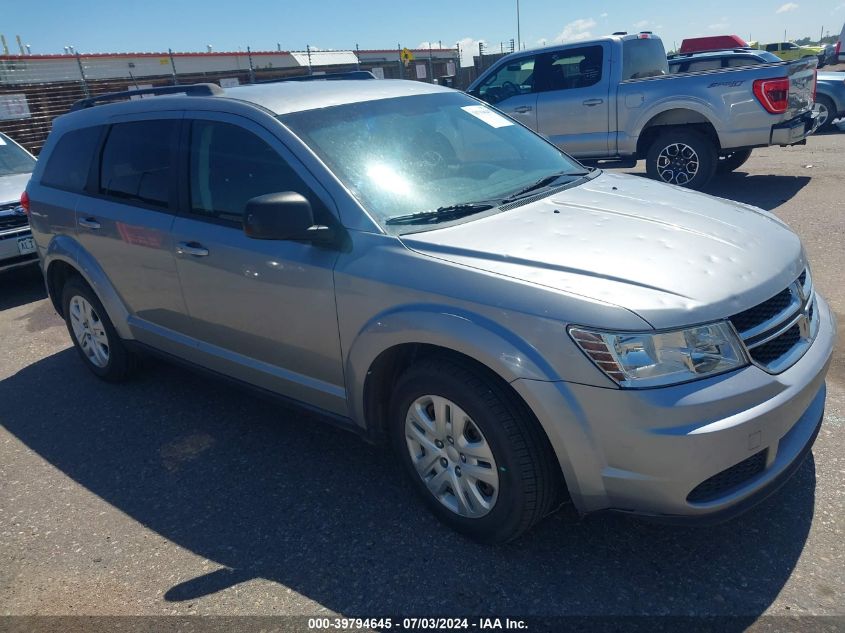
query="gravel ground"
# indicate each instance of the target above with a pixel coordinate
(176, 494)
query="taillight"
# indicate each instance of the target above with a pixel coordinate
(773, 94)
(838, 48)
(25, 202)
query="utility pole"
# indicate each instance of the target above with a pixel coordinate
(518, 33)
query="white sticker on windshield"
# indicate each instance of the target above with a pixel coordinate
(491, 118)
(2, 142)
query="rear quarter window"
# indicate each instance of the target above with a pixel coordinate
(70, 161)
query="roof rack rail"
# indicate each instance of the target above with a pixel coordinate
(352, 74)
(191, 90)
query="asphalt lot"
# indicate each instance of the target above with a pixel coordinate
(176, 494)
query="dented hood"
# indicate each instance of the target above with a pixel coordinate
(673, 256)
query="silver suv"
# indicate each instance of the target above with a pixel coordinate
(430, 273)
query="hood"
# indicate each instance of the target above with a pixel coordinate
(12, 186)
(673, 256)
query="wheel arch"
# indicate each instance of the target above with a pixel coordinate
(685, 118)
(65, 257)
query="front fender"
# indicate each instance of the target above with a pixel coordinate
(66, 249)
(460, 331)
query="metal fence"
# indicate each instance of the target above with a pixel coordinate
(35, 89)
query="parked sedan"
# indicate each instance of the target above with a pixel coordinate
(16, 245)
(830, 86)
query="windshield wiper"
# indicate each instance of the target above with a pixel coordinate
(441, 214)
(544, 182)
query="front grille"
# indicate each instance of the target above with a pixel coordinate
(762, 312)
(777, 331)
(10, 218)
(768, 353)
(729, 479)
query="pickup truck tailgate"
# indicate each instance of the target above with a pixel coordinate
(802, 86)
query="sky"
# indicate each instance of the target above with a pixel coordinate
(189, 25)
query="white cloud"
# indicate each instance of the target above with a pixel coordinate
(789, 6)
(721, 25)
(576, 30)
(469, 48)
(641, 24)
(603, 15)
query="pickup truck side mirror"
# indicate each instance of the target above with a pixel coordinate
(283, 216)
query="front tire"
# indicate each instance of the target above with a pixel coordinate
(93, 334)
(680, 157)
(475, 454)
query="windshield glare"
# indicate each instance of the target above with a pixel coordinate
(14, 160)
(420, 153)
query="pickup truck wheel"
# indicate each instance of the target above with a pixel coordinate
(733, 161)
(827, 112)
(684, 158)
(477, 457)
(93, 334)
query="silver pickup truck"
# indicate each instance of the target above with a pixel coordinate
(613, 98)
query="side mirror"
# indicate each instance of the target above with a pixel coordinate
(283, 216)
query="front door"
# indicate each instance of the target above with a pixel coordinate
(262, 311)
(511, 88)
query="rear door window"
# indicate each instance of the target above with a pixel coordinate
(572, 68)
(138, 162)
(69, 163)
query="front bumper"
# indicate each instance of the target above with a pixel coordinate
(795, 130)
(10, 255)
(646, 451)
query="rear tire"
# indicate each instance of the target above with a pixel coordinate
(93, 334)
(683, 158)
(733, 161)
(492, 475)
(827, 109)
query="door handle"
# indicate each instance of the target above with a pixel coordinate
(191, 248)
(523, 109)
(592, 102)
(89, 223)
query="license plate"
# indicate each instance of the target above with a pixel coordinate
(26, 245)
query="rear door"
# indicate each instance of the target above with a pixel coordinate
(125, 217)
(262, 311)
(573, 103)
(512, 88)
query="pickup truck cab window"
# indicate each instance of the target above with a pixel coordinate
(571, 68)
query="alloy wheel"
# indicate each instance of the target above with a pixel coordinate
(677, 164)
(89, 331)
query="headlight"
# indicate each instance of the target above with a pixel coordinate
(653, 359)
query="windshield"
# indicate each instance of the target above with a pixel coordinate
(425, 153)
(14, 160)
